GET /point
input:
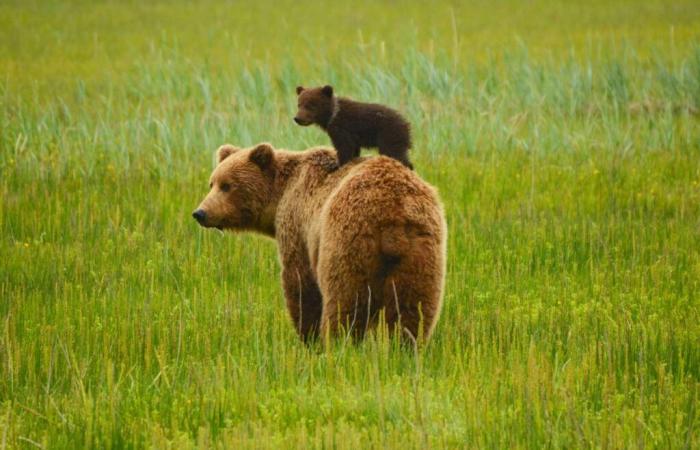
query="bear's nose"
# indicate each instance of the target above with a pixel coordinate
(200, 215)
(298, 120)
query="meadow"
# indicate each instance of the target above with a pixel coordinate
(564, 139)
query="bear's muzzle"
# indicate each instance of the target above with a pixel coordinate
(200, 216)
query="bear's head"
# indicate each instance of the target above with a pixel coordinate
(316, 105)
(241, 190)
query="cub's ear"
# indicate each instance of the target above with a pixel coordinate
(300, 89)
(327, 90)
(225, 151)
(262, 155)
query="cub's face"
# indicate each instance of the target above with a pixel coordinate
(315, 105)
(240, 189)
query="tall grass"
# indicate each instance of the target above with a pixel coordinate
(565, 144)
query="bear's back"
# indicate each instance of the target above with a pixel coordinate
(378, 191)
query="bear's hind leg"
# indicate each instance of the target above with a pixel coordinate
(398, 151)
(352, 297)
(350, 313)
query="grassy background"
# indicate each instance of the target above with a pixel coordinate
(564, 140)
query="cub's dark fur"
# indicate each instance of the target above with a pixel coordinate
(353, 125)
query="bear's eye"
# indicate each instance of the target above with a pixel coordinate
(225, 187)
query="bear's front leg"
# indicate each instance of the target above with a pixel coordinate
(345, 144)
(304, 301)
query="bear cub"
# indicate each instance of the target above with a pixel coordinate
(354, 125)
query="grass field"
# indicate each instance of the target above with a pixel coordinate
(564, 138)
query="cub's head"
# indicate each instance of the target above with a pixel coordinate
(241, 190)
(315, 105)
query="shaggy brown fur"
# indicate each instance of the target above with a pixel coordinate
(359, 245)
(353, 125)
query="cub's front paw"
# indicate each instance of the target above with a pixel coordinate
(330, 166)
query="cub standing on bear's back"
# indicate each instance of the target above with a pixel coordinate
(353, 125)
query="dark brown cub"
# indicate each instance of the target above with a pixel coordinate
(353, 125)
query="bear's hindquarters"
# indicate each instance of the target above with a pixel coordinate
(412, 289)
(398, 277)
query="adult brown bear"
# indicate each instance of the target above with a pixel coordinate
(358, 244)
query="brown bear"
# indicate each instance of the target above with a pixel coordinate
(359, 245)
(353, 125)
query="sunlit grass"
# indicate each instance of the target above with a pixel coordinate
(564, 141)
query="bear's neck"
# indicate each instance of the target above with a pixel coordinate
(335, 109)
(308, 167)
(287, 169)
(266, 222)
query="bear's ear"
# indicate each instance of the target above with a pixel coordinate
(327, 90)
(300, 89)
(225, 151)
(262, 155)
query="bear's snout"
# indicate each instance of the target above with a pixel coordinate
(300, 121)
(200, 215)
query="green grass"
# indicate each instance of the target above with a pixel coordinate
(565, 142)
